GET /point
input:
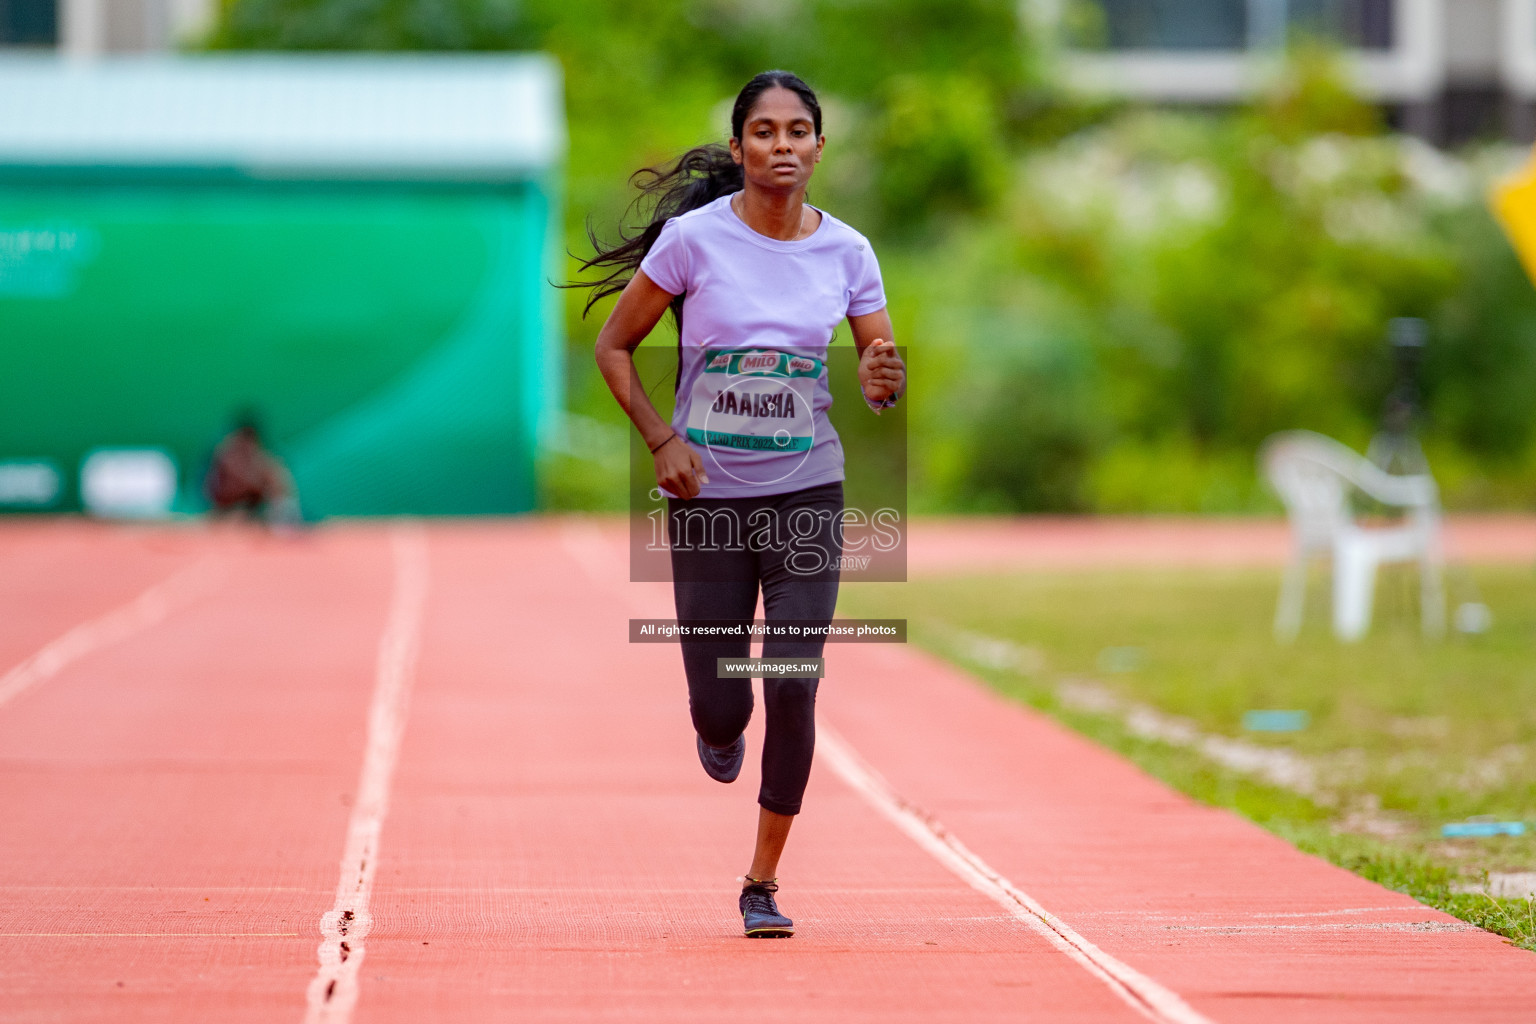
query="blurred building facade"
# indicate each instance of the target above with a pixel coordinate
(90, 27)
(1446, 70)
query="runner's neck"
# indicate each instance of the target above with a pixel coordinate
(786, 218)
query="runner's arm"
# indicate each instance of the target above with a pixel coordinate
(641, 305)
(882, 374)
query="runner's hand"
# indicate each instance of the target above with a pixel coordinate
(679, 469)
(881, 371)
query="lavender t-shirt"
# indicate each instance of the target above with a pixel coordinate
(758, 314)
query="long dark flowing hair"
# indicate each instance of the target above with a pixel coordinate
(698, 178)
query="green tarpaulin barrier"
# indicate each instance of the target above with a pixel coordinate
(394, 332)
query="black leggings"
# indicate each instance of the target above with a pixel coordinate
(723, 549)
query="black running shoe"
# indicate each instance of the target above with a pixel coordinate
(723, 764)
(760, 914)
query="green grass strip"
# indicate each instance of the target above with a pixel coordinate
(1405, 734)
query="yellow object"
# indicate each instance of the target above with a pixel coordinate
(1514, 205)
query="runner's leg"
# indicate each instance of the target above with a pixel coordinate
(799, 584)
(714, 579)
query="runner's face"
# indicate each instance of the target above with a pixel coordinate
(779, 147)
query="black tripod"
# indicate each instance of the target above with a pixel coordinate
(1395, 448)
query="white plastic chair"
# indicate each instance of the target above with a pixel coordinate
(128, 483)
(1314, 476)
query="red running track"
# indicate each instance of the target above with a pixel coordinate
(443, 732)
(1023, 543)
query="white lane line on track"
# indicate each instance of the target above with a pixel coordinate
(332, 992)
(115, 626)
(596, 555)
(149, 935)
(1140, 992)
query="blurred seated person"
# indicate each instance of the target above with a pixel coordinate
(245, 478)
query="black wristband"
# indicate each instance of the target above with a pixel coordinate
(663, 444)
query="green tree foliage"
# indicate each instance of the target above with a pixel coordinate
(920, 96)
(373, 25)
(856, 46)
(1219, 277)
(936, 143)
(1481, 370)
(1109, 308)
(1036, 431)
(933, 77)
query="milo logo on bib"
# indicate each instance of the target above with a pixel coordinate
(754, 400)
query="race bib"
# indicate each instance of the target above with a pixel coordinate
(754, 400)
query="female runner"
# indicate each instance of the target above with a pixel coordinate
(757, 280)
